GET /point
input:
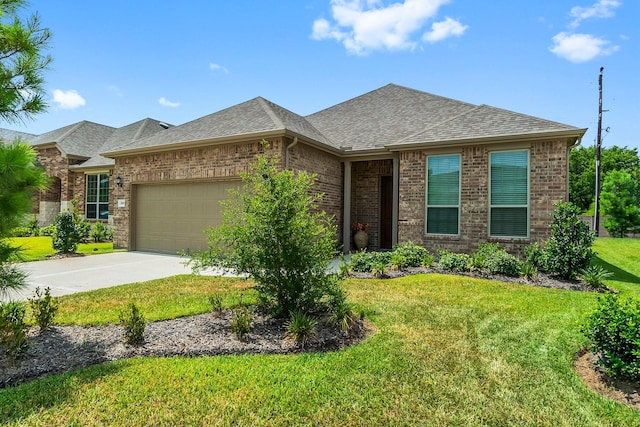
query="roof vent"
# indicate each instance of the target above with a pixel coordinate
(163, 125)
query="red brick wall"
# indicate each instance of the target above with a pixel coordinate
(217, 162)
(548, 186)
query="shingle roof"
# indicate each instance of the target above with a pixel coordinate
(82, 139)
(250, 117)
(486, 122)
(384, 116)
(7, 136)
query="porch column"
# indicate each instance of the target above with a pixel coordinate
(346, 214)
(396, 199)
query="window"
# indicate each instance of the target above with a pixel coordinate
(509, 194)
(97, 196)
(443, 194)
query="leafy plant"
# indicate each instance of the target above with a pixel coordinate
(274, 231)
(48, 230)
(242, 321)
(620, 200)
(301, 328)
(502, 262)
(68, 233)
(569, 250)
(364, 261)
(11, 277)
(451, 261)
(414, 255)
(615, 335)
(378, 269)
(343, 316)
(595, 275)
(134, 324)
(100, 232)
(534, 255)
(397, 261)
(13, 330)
(216, 303)
(528, 270)
(480, 257)
(43, 308)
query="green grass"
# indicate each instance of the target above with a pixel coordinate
(622, 258)
(37, 248)
(449, 351)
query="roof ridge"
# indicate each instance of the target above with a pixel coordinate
(265, 104)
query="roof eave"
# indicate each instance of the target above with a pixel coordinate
(571, 135)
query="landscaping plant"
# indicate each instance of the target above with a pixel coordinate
(568, 251)
(43, 308)
(301, 328)
(453, 261)
(13, 330)
(274, 231)
(134, 324)
(68, 233)
(242, 321)
(595, 275)
(615, 336)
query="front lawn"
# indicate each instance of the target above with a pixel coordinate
(38, 248)
(449, 350)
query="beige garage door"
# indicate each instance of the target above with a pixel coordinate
(172, 217)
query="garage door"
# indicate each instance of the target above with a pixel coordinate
(172, 217)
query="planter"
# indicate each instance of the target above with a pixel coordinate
(361, 239)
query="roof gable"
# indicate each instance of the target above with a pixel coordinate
(82, 139)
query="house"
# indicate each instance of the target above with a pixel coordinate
(442, 173)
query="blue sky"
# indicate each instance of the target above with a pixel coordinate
(117, 62)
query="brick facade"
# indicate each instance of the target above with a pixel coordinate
(548, 186)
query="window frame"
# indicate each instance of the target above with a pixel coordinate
(426, 195)
(527, 206)
(96, 193)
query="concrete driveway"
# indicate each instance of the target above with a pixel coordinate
(79, 274)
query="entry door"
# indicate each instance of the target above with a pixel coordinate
(386, 211)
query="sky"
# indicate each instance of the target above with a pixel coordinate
(116, 62)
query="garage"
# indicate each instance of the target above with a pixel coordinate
(172, 217)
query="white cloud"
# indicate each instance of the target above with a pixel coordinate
(580, 47)
(366, 25)
(218, 67)
(601, 9)
(166, 103)
(68, 100)
(444, 29)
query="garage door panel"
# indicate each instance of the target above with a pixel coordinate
(172, 217)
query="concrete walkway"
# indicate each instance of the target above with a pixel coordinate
(78, 274)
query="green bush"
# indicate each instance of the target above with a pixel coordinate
(595, 275)
(242, 321)
(68, 233)
(528, 270)
(364, 262)
(215, 301)
(534, 255)
(343, 316)
(451, 261)
(301, 328)
(615, 335)
(569, 250)
(501, 262)
(101, 232)
(43, 308)
(22, 232)
(134, 324)
(49, 230)
(485, 251)
(13, 330)
(397, 261)
(414, 255)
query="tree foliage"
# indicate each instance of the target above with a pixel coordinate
(582, 170)
(620, 199)
(273, 230)
(22, 62)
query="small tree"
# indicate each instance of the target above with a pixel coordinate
(569, 250)
(620, 199)
(68, 233)
(273, 230)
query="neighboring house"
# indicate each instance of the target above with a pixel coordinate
(414, 166)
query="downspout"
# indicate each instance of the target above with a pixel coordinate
(286, 152)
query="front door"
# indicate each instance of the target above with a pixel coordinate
(386, 211)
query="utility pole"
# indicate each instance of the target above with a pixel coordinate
(596, 214)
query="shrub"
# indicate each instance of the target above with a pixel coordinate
(569, 250)
(364, 262)
(274, 231)
(13, 330)
(134, 324)
(479, 259)
(414, 255)
(49, 230)
(378, 269)
(11, 277)
(100, 232)
(502, 262)
(451, 261)
(342, 316)
(528, 270)
(397, 261)
(22, 232)
(216, 303)
(301, 328)
(615, 335)
(242, 321)
(595, 275)
(43, 308)
(68, 233)
(534, 255)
